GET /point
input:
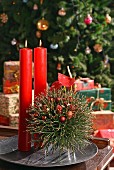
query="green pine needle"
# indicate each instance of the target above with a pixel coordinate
(50, 117)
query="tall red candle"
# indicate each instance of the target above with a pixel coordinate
(40, 70)
(40, 77)
(25, 98)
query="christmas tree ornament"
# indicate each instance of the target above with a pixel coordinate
(41, 2)
(75, 49)
(4, 18)
(69, 114)
(62, 12)
(25, 1)
(44, 117)
(88, 19)
(38, 34)
(14, 41)
(72, 66)
(98, 48)
(108, 19)
(62, 119)
(59, 66)
(106, 61)
(35, 7)
(54, 46)
(42, 24)
(87, 50)
(59, 109)
(67, 38)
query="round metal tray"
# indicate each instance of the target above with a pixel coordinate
(9, 152)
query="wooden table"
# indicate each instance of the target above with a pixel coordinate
(100, 162)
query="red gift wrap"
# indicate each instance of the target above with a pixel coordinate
(78, 85)
(84, 84)
(106, 133)
(4, 120)
(10, 87)
(103, 119)
(11, 70)
(87, 83)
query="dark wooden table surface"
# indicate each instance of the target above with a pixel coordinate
(101, 161)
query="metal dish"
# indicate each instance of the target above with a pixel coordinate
(9, 152)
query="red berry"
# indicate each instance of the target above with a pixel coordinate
(58, 99)
(72, 107)
(59, 108)
(70, 99)
(70, 114)
(62, 119)
(35, 114)
(44, 117)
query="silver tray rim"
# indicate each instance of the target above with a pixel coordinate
(9, 154)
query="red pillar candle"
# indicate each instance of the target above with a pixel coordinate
(25, 98)
(40, 70)
(40, 77)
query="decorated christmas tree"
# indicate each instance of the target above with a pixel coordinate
(75, 33)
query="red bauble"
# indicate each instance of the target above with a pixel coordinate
(58, 99)
(44, 117)
(35, 114)
(59, 108)
(62, 119)
(70, 114)
(59, 66)
(88, 19)
(72, 107)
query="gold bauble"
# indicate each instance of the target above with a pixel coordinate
(98, 48)
(42, 24)
(108, 19)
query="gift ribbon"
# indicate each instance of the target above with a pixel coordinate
(16, 75)
(98, 100)
(14, 88)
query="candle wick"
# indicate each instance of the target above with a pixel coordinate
(25, 43)
(40, 43)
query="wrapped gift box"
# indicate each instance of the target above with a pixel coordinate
(14, 120)
(106, 133)
(78, 85)
(84, 84)
(11, 70)
(9, 104)
(87, 83)
(4, 120)
(10, 87)
(103, 119)
(11, 77)
(98, 99)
